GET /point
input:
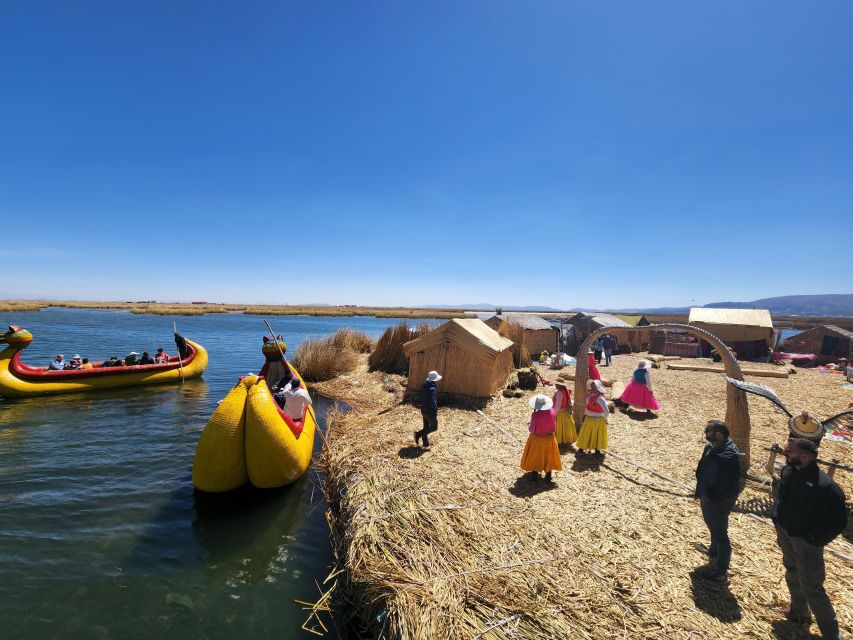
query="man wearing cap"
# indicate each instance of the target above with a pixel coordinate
(131, 359)
(429, 408)
(146, 358)
(808, 511)
(717, 487)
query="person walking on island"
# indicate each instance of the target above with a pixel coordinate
(598, 346)
(608, 344)
(541, 452)
(638, 393)
(566, 430)
(429, 408)
(808, 511)
(717, 487)
(593, 434)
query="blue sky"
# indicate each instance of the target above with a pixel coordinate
(553, 153)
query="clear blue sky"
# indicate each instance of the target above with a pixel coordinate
(554, 153)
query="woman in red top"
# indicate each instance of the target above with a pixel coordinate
(566, 430)
(541, 452)
(593, 370)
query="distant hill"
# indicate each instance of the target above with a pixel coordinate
(485, 306)
(830, 304)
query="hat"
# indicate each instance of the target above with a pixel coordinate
(433, 376)
(133, 353)
(596, 384)
(540, 402)
(76, 356)
(560, 382)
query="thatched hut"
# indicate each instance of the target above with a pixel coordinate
(749, 332)
(636, 340)
(472, 358)
(538, 334)
(828, 342)
(575, 328)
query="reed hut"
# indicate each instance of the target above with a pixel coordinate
(635, 340)
(575, 328)
(828, 342)
(748, 332)
(472, 358)
(538, 334)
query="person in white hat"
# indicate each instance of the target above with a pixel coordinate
(638, 393)
(131, 359)
(541, 452)
(593, 433)
(429, 408)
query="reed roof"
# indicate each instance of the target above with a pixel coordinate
(743, 317)
(635, 320)
(471, 334)
(526, 321)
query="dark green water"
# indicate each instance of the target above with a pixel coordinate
(101, 535)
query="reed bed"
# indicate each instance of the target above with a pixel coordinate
(331, 357)
(388, 356)
(354, 340)
(21, 305)
(454, 542)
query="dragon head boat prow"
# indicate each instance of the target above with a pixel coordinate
(17, 337)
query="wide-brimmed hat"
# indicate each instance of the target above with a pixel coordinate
(76, 356)
(433, 376)
(133, 353)
(540, 402)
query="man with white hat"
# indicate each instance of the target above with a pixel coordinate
(429, 408)
(131, 359)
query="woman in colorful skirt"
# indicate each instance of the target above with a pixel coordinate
(566, 432)
(638, 393)
(593, 370)
(593, 433)
(541, 452)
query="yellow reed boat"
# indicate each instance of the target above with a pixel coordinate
(249, 438)
(18, 380)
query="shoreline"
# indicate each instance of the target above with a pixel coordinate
(453, 542)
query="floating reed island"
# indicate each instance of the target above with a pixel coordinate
(452, 541)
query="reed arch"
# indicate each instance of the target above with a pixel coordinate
(737, 409)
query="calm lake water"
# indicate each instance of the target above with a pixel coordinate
(100, 533)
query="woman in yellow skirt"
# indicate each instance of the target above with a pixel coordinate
(593, 433)
(541, 452)
(566, 432)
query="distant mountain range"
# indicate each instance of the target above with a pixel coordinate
(830, 304)
(485, 306)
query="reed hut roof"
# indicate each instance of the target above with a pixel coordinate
(526, 321)
(601, 319)
(831, 328)
(471, 334)
(635, 320)
(741, 317)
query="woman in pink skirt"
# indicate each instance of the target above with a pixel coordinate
(638, 393)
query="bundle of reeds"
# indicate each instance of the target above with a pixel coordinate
(515, 332)
(388, 356)
(353, 340)
(319, 360)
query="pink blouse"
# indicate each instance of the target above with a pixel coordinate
(543, 422)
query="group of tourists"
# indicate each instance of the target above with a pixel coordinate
(59, 363)
(808, 512)
(604, 345)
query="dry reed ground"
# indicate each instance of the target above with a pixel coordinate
(454, 544)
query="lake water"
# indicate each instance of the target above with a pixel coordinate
(100, 532)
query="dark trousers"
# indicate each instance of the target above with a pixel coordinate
(430, 425)
(597, 356)
(716, 516)
(608, 354)
(805, 573)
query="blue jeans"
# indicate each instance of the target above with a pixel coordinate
(716, 516)
(608, 354)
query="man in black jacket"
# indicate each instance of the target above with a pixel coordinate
(809, 511)
(717, 487)
(429, 408)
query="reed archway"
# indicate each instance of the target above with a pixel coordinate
(737, 409)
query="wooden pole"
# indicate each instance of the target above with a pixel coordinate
(180, 357)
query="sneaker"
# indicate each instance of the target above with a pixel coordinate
(713, 574)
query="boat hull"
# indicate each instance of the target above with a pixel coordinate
(16, 381)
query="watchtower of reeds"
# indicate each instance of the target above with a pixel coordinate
(737, 408)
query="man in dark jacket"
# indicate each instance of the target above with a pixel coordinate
(808, 512)
(429, 408)
(717, 487)
(608, 344)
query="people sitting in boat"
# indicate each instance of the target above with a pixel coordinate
(161, 356)
(85, 364)
(112, 362)
(74, 363)
(295, 399)
(131, 359)
(145, 359)
(58, 363)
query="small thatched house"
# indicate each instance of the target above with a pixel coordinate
(828, 342)
(538, 334)
(749, 332)
(636, 340)
(471, 357)
(575, 328)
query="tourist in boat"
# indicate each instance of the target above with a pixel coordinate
(131, 359)
(638, 393)
(566, 431)
(74, 363)
(429, 408)
(594, 374)
(296, 399)
(146, 358)
(593, 435)
(85, 364)
(540, 451)
(112, 362)
(161, 356)
(58, 363)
